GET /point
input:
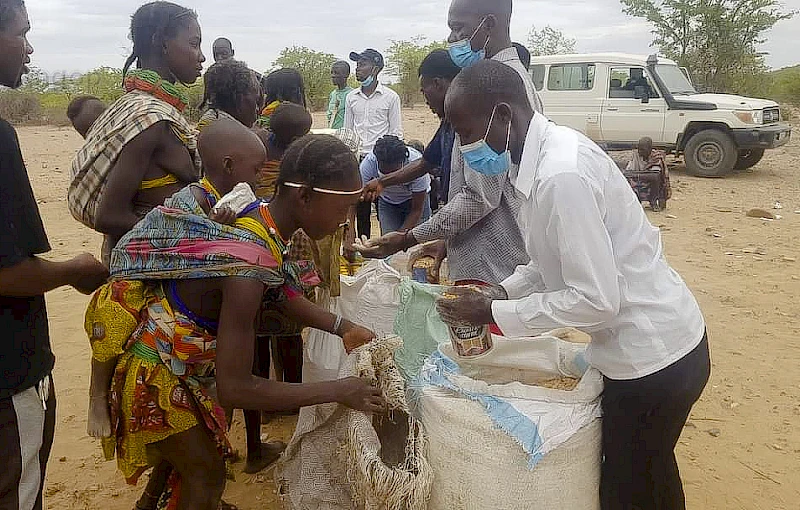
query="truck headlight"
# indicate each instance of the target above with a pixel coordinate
(750, 117)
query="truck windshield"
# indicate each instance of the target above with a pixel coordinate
(675, 80)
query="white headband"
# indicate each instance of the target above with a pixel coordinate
(325, 191)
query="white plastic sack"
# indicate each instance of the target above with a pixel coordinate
(495, 440)
(370, 299)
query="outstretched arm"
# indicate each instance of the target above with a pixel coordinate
(310, 315)
(237, 386)
(35, 276)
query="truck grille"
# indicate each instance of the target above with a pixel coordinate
(772, 115)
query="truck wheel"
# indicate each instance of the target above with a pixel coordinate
(711, 153)
(748, 158)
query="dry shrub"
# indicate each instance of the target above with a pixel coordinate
(20, 107)
(55, 116)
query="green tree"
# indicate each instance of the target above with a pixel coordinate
(785, 85)
(404, 59)
(103, 82)
(549, 41)
(717, 40)
(315, 66)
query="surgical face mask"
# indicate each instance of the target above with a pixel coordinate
(368, 81)
(463, 55)
(483, 159)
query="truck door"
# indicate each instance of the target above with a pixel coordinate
(627, 115)
(572, 98)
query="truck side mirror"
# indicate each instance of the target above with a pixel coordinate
(641, 92)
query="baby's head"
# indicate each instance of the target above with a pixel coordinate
(231, 154)
(83, 111)
(289, 123)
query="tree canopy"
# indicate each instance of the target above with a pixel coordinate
(717, 40)
(549, 41)
(404, 59)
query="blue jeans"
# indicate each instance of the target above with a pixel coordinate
(392, 217)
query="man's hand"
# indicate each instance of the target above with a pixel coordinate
(465, 306)
(372, 191)
(435, 249)
(385, 246)
(360, 395)
(224, 215)
(88, 274)
(354, 336)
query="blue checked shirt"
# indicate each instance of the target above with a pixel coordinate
(479, 223)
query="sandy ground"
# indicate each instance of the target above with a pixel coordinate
(741, 449)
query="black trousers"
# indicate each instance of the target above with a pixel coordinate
(364, 219)
(642, 422)
(26, 438)
(287, 352)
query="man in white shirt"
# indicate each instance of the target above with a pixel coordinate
(372, 111)
(597, 265)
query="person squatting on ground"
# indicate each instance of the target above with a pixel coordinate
(404, 206)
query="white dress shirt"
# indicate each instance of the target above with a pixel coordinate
(596, 261)
(373, 117)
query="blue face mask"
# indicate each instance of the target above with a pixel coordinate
(463, 55)
(483, 159)
(368, 81)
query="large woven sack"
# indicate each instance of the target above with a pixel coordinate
(478, 467)
(341, 459)
(484, 413)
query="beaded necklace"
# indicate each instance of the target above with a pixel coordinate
(149, 81)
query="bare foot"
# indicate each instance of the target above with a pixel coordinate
(99, 422)
(270, 452)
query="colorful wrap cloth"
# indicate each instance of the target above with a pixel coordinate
(164, 380)
(177, 241)
(266, 114)
(127, 118)
(163, 385)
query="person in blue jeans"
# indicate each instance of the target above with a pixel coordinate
(401, 207)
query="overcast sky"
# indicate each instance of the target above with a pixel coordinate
(77, 35)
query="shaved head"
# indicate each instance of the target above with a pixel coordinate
(486, 23)
(501, 9)
(484, 85)
(231, 154)
(488, 101)
(289, 122)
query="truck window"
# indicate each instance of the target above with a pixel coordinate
(624, 81)
(537, 73)
(571, 77)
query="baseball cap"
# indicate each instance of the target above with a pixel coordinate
(369, 54)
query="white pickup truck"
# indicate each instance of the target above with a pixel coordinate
(616, 99)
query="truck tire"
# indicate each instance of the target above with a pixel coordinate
(748, 158)
(711, 153)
